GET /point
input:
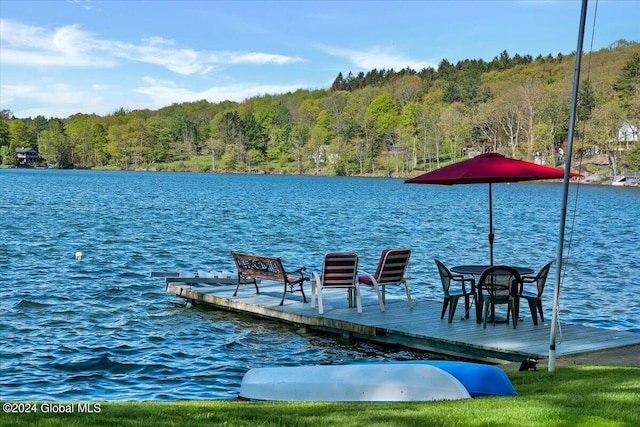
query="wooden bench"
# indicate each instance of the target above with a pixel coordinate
(259, 267)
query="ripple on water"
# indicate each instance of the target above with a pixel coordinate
(28, 305)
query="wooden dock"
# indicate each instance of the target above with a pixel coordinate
(418, 328)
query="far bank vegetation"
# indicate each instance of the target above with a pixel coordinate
(379, 123)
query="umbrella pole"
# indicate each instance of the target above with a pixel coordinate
(491, 235)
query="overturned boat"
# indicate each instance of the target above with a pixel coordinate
(375, 382)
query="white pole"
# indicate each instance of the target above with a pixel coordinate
(567, 172)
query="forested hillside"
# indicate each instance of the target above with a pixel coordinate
(382, 122)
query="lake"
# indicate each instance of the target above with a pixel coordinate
(101, 329)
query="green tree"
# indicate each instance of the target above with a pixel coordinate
(318, 140)
(19, 135)
(509, 109)
(359, 126)
(160, 138)
(275, 120)
(138, 145)
(4, 133)
(411, 120)
(54, 145)
(99, 140)
(227, 127)
(253, 133)
(602, 131)
(185, 131)
(335, 105)
(531, 95)
(384, 113)
(117, 147)
(78, 130)
(632, 158)
(37, 125)
(6, 114)
(586, 100)
(6, 157)
(405, 89)
(554, 120)
(627, 86)
(456, 127)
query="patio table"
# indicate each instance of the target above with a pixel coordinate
(476, 270)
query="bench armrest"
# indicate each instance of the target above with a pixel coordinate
(298, 271)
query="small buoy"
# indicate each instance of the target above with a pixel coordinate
(78, 256)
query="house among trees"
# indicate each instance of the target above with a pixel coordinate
(628, 133)
(27, 156)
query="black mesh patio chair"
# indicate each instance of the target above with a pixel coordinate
(452, 295)
(500, 284)
(534, 297)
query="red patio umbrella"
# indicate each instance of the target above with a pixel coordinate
(489, 168)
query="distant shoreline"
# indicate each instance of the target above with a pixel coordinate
(606, 182)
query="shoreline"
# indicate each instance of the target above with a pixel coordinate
(628, 356)
(604, 183)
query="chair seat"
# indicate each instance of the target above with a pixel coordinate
(458, 293)
(390, 271)
(498, 300)
(528, 294)
(339, 270)
(365, 280)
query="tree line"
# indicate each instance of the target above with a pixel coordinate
(380, 123)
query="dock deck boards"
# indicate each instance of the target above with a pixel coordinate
(419, 328)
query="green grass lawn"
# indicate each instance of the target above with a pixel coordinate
(578, 395)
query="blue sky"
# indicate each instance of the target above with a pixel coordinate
(62, 57)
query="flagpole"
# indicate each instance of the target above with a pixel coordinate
(567, 173)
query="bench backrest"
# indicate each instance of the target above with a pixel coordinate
(259, 266)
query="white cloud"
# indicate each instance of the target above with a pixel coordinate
(85, 4)
(159, 40)
(156, 82)
(69, 46)
(54, 100)
(259, 58)
(36, 47)
(377, 57)
(180, 61)
(21, 35)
